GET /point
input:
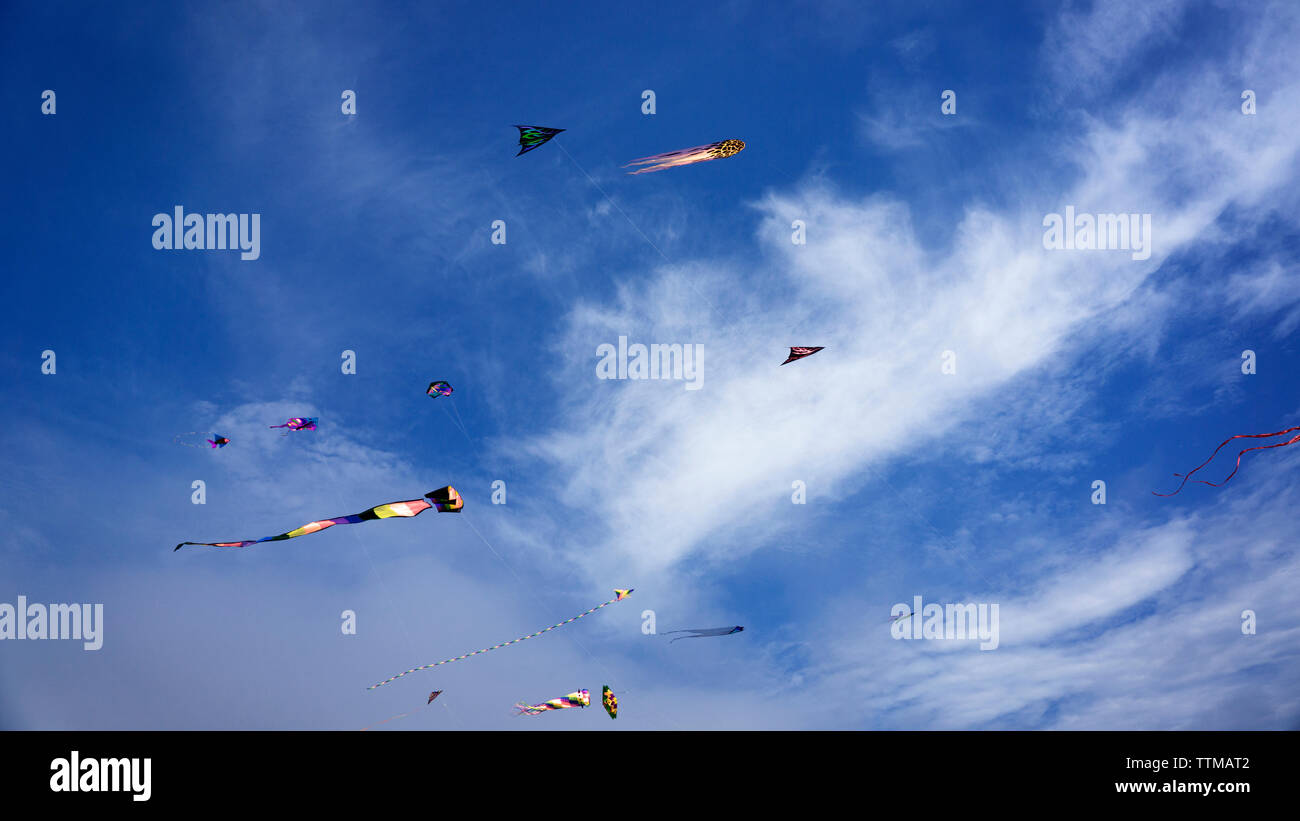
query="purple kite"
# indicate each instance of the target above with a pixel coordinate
(297, 423)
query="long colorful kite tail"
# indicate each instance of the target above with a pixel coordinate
(1237, 467)
(687, 156)
(619, 595)
(445, 499)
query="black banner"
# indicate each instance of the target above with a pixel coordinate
(668, 770)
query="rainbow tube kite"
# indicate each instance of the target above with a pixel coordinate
(446, 500)
(619, 595)
(582, 698)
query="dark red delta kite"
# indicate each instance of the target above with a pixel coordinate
(432, 696)
(800, 353)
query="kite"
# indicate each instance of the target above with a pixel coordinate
(439, 389)
(582, 698)
(446, 500)
(609, 700)
(1188, 475)
(534, 136)
(700, 634)
(800, 353)
(217, 440)
(619, 595)
(432, 696)
(900, 617)
(297, 423)
(688, 156)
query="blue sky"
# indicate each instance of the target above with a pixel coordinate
(923, 235)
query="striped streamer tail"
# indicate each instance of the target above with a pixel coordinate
(1237, 466)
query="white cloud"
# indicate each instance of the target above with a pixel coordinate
(698, 473)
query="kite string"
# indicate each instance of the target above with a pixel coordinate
(518, 578)
(399, 715)
(459, 423)
(637, 228)
(610, 200)
(513, 572)
(413, 712)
